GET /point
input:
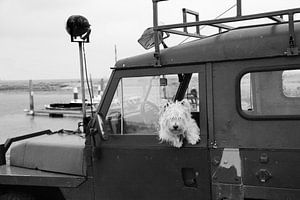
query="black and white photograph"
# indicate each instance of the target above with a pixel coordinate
(150, 100)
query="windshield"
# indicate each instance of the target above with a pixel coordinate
(137, 101)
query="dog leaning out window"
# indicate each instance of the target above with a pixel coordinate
(137, 108)
(177, 124)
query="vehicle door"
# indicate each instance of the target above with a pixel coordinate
(130, 162)
(256, 128)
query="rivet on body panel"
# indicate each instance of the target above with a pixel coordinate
(264, 158)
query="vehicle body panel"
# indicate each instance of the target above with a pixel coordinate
(161, 172)
(21, 176)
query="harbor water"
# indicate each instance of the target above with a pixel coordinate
(14, 121)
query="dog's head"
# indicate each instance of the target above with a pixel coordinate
(175, 116)
(176, 123)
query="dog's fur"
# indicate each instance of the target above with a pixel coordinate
(176, 124)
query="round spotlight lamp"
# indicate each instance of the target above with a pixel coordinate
(79, 28)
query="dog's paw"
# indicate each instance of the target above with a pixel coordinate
(177, 143)
(193, 139)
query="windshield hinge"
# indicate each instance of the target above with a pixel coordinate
(293, 49)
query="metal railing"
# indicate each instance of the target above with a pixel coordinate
(275, 16)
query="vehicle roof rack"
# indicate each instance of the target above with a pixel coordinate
(275, 16)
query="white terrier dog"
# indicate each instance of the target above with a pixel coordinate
(177, 124)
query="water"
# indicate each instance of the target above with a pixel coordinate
(15, 122)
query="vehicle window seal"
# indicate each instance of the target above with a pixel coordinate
(262, 69)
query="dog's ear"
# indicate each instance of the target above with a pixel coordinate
(186, 104)
(163, 106)
(166, 105)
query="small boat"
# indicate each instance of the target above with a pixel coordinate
(64, 106)
(73, 105)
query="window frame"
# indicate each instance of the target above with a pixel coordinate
(119, 73)
(258, 69)
(136, 72)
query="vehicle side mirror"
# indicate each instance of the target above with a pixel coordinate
(147, 38)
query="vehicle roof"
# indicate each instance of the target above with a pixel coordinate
(242, 43)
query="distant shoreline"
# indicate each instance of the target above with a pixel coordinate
(43, 85)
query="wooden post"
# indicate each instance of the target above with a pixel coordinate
(239, 8)
(99, 92)
(31, 102)
(75, 94)
(102, 84)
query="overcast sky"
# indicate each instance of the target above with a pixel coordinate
(35, 45)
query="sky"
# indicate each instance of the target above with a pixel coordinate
(35, 45)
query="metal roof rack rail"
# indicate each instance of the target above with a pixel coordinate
(275, 16)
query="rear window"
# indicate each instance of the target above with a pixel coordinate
(291, 83)
(270, 93)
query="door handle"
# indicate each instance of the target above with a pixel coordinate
(189, 177)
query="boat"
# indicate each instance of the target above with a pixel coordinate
(75, 104)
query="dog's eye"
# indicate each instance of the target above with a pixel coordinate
(165, 106)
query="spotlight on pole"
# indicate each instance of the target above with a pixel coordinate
(79, 29)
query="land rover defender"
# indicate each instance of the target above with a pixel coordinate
(244, 87)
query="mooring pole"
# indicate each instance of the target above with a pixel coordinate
(75, 94)
(239, 8)
(31, 102)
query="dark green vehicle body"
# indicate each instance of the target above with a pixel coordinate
(247, 150)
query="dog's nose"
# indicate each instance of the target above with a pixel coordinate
(175, 127)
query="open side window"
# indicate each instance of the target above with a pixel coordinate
(137, 101)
